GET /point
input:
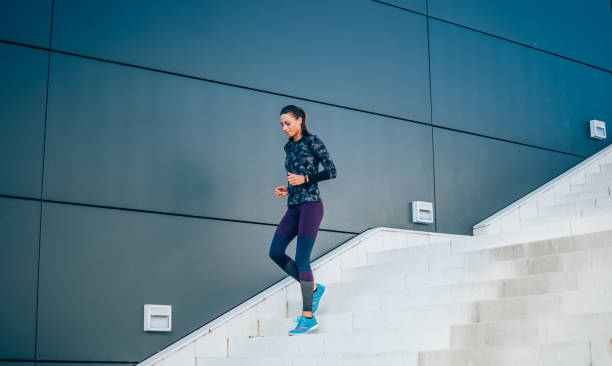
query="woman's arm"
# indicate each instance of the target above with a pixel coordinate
(321, 153)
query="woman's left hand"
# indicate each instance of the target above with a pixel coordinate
(295, 179)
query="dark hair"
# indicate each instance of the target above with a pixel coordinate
(297, 112)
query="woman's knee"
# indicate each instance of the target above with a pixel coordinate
(277, 248)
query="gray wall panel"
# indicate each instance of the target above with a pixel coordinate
(576, 29)
(26, 21)
(100, 266)
(124, 137)
(477, 176)
(492, 87)
(19, 228)
(23, 76)
(416, 5)
(360, 54)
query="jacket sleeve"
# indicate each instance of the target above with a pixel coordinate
(322, 155)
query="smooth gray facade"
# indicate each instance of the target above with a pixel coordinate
(140, 144)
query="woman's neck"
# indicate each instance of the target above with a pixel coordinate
(297, 137)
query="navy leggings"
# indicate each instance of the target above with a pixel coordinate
(302, 220)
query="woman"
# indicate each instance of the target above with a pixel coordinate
(305, 210)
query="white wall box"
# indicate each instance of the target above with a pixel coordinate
(598, 129)
(422, 212)
(157, 318)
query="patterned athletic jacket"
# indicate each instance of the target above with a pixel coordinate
(303, 158)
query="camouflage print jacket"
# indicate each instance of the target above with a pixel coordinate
(303, 158)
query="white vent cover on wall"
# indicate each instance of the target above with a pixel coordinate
(157, 318)
(598, 129)
(422, 212)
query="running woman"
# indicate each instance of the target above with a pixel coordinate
(304, 212)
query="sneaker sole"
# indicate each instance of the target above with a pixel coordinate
(308, 331)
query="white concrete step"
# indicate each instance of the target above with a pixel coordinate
(601, 239)
(461, 268)
(473, 271)
(585, 187)
(593, 279)
(516, 251)
(386, 359)
(593, 353)
(319, 344)
(575, 328)
(599, 177)
(581, 226)
(573, 197)
(533, 306)
(561, 208)
(544, 305)
(606, 167)
(558, 354)
(551, 219)
(396, 255)
(605, 208)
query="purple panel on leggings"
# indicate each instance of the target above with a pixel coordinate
(305, 276)
(287, 228)
(311, 214)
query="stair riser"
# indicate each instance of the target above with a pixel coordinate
(579, 188)
(546, 247)
(502, 270)
(341, 344)
(557, 355)
(395, 359)
(567, 198)
(569, 207)
(586, 280)
(605, 176)
(556, 330)
(528, 307)
(408, 253)
(464, 268)
(538, 248)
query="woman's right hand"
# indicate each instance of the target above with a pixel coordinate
(281, 191)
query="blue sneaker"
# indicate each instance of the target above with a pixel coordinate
(304, 326)
(317, 296)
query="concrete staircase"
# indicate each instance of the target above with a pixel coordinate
(537, 291)
(582, 191)
(536, 303)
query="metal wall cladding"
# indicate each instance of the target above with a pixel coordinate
(100, 266)
(156, 147)
(356, 53)
(576, 29)
(26, 21)
(414, 5)
(488, 86)
(132, 138)
(23, 72)
(19, 228)
(505, 172)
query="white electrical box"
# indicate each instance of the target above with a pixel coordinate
(598, 129)
(422, 212)
(157, 318)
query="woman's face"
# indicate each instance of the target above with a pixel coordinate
(290, 124)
